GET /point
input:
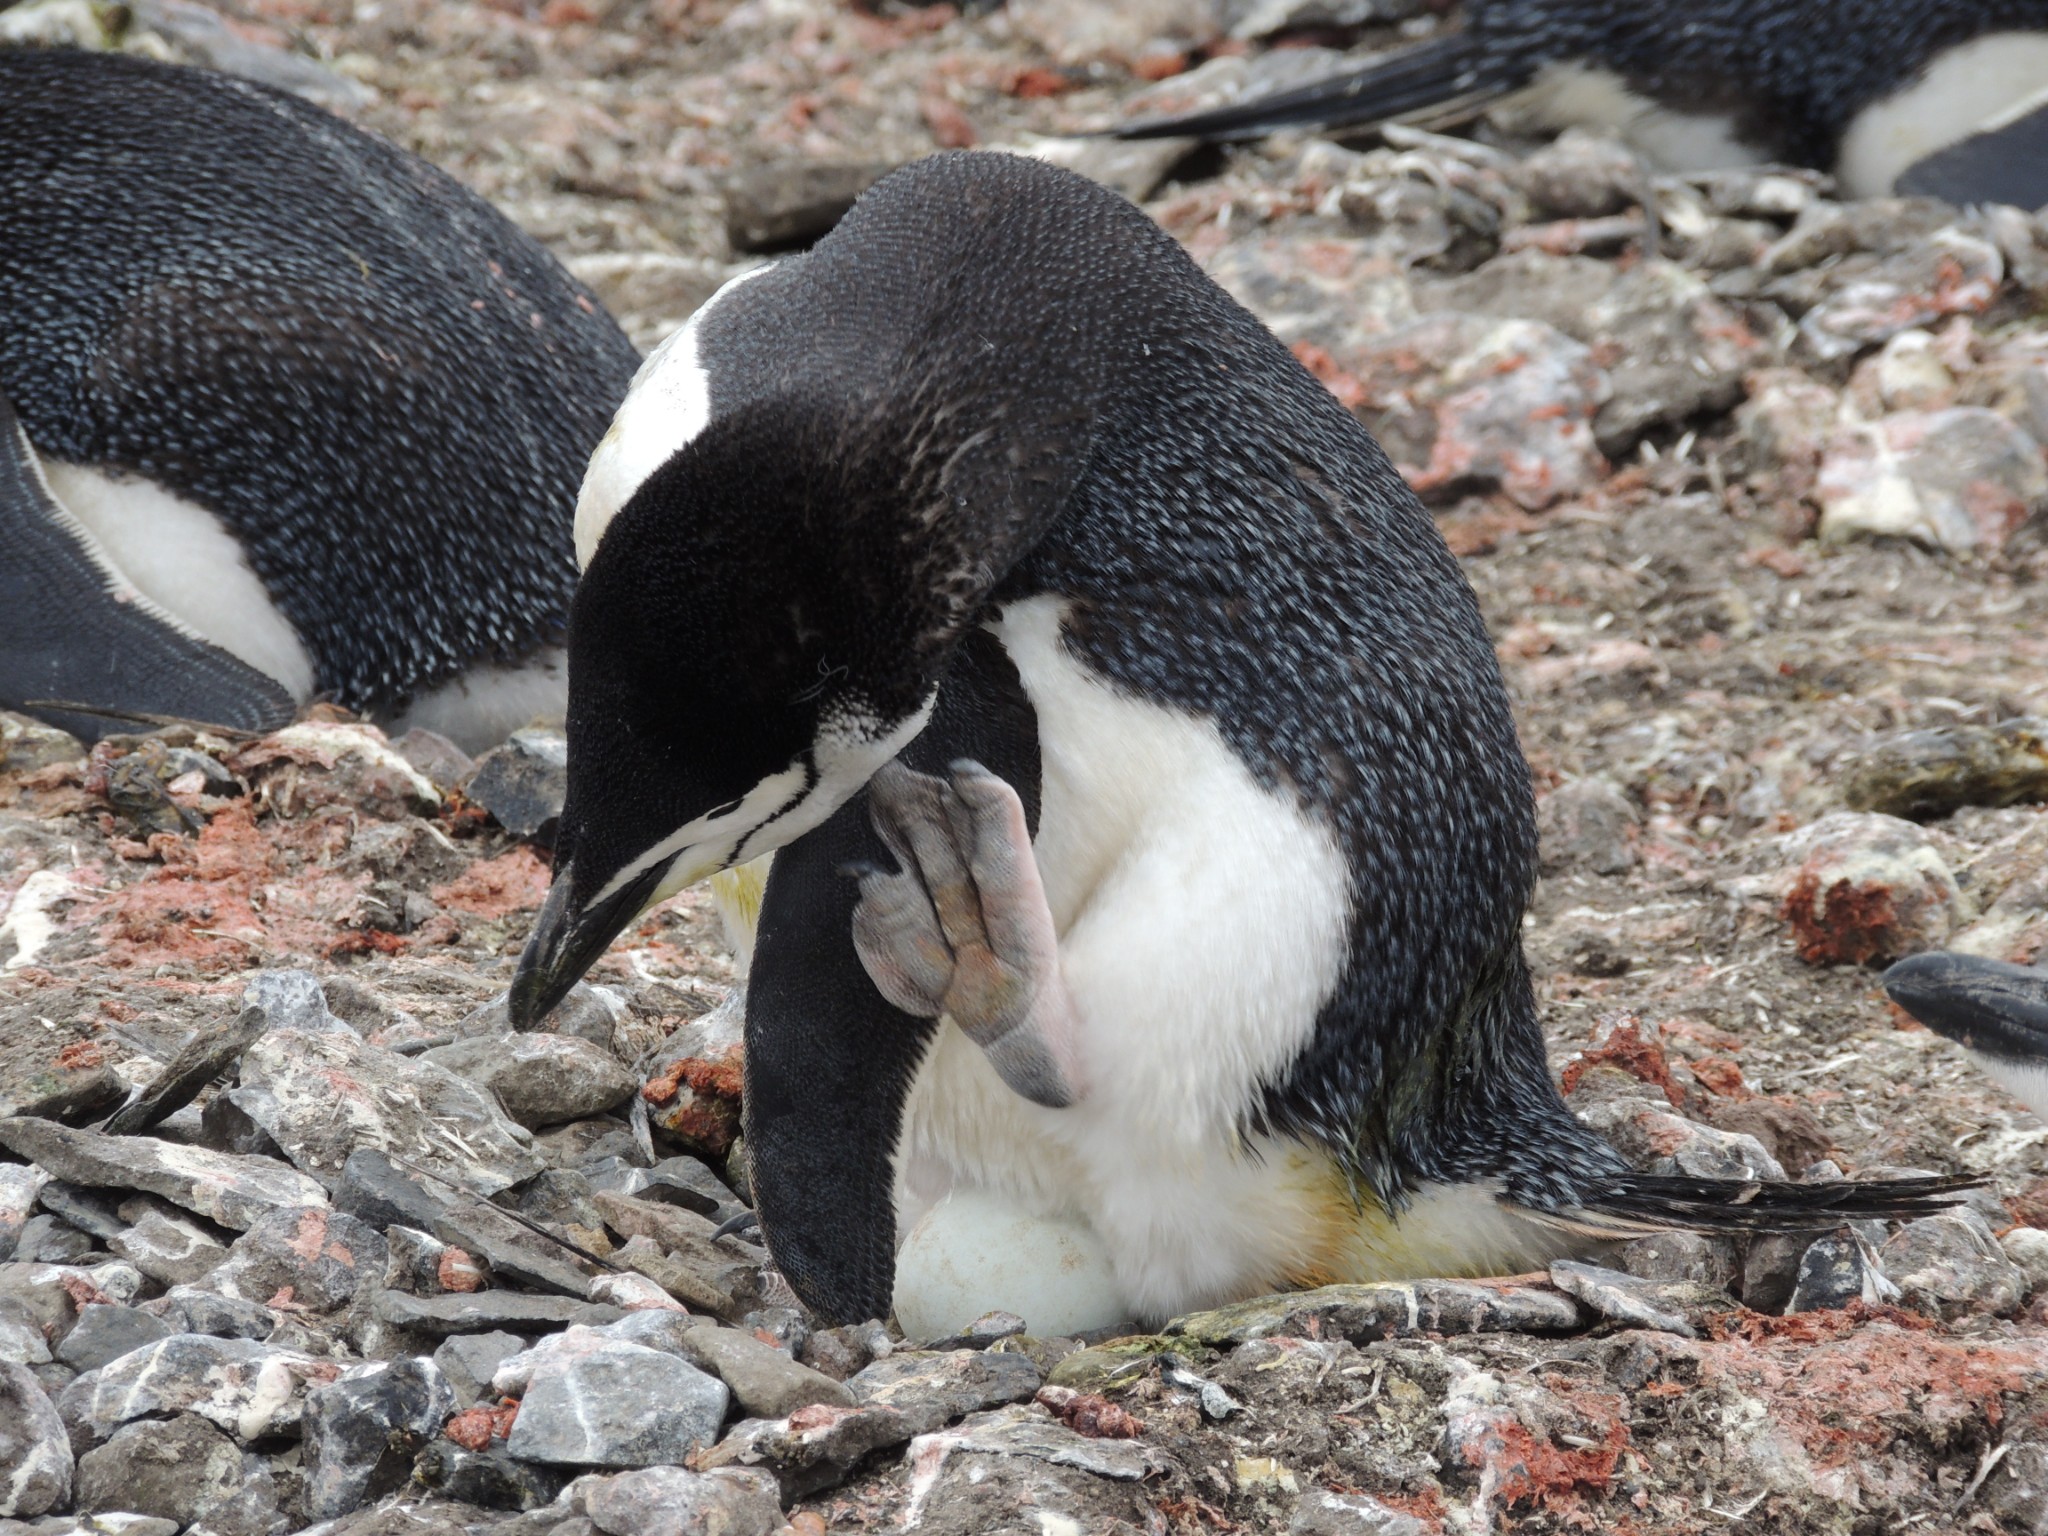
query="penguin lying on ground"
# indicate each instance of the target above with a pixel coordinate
(1995, 1011)
(1945, 98)
(284, 411)
(1153, 836)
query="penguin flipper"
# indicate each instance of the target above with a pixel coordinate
(1430, 75)
(2007, 164)
(829, 1060)
(73, 632)
(1624, 1205)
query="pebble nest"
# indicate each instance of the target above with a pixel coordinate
(1750, 482)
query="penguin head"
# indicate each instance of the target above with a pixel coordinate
(756, 634)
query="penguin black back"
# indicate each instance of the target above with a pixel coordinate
(383, 390)
(1788, 76)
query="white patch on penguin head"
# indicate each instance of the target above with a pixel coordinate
(850, 747)
(666, 406)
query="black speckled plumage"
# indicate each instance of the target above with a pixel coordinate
(383, 388)
(1790, 74)
(996, 381)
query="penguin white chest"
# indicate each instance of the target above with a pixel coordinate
(1202, 922)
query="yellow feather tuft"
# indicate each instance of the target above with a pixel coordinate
(737, 894)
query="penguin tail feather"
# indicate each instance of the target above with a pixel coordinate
(1628, 1205)
(1430, 75)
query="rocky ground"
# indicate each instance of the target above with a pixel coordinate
(1750, 483)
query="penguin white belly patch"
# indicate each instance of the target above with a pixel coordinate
(1151, 840)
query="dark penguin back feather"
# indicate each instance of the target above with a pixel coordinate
(383, 389)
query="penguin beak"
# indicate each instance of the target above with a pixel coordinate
(569, 936)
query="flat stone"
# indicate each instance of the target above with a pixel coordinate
(620, 1406)
(19, 1187)
(201, 1059)
(489, 1478)
(22, 1342)
(668, 1501)
(104, 1334)
(251, 1390)
(46, 1239)
(1365, 1313)
(92, 1211)
(1950, 1266)
(791, 203)
(1668, 1306)
(766, 1383)
(1681, 1256)
(1833, 1272)
(27, 744)
(50, 1086)
(2028, 1248)
(1094, 1368)
(185, 1310)
(363, 1434)
(1322, 1513)
(1960, 480)
(469, 1360)
(523, 783)
(325, 1095)
(169, 1249)
(234, 1191)
(933, 1389)
(178, 1469)
(378, 1192)
(1029, 1431)
(35, 1449)
(540, 1079)
(487, 1311)
(1588, 824)
(318, 1256)
(813, 1448)
(1925, 774)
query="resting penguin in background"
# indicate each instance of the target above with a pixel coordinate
(284, 412)
(1153, 836)
(1995, 1011)
(1940, 98)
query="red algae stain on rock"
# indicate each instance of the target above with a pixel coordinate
(512, 882)
(1626, 1048)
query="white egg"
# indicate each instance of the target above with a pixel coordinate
(975, 1252)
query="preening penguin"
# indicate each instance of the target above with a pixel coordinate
(1945, 98)
(1995, 1011)
(1153, 836)
(284, 411)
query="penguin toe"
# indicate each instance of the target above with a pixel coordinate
(896, 933)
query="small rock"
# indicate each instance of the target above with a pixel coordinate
(1678, 352)
(1961, 479)
(619, 1406)
(489, 1478)
(1786, 425)
(813, 1448)
(27, 745)
(792, 203)
(1869, 297)
(19, 1187)
(169, 1249)
(22, 1342)
(1833, 1272)
(668, 1501)
(89, 1210)
(379, 1193)
(633, 1292)
(2016, 1492)
(1077, 32)
(1098, 1367)
(201, 1059)
(540, 1079)
(234, 1191)
(1322, 1513)
(1868, 889)
(291, 1000)
(181, 1469)
(1950, 1265)
(2028, 1248)
(469, 1360)
(250, 1390)
(489, 1311)
(1690, 1256)
(523, 783)
(324, 1095)
(46, 1240)
(320, 1256)
(184, 1310)
(1588, 824)
(1637, 1303)
(334, 765)
(363, 1434)
(35, 1450)
(434, 755)
(933, 1389)
(1581, 175)
(766, 1383)
(1925, 775)
(1363, 1313)
(105, 1334)
(843, 1352)
(1660, 1142)
(1024, 1430)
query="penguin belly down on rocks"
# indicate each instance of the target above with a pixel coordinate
(285, 412)
(1937, 98)
(1150, 835)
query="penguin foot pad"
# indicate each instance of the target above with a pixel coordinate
(962, 930)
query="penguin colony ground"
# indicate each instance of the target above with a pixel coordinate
(284, 412)
(1151, 836)
(1943, 98)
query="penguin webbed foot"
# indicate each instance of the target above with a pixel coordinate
(962, 930)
